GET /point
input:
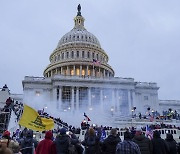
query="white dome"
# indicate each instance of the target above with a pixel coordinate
(79, 35)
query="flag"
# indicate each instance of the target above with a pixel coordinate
(87, 117)
(96, 62)
(149, 132)
(32, 120)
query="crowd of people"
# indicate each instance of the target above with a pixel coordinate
(66, 142)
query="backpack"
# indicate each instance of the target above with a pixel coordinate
(27, 146)
(72, 149)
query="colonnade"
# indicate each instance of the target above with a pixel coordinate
(114, 98)
(80, 70)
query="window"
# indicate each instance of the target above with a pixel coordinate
(72, 54)
(88, 54)
(93, 54)
(97, 57)
(63, 55)
(82, 54)
(67, 54)
(77, 54)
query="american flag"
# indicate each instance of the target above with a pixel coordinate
(87, 117)
(96, 62)
(149, 132)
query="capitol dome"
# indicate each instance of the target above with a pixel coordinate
(79, 53)
(79, 35)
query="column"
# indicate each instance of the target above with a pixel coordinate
(117, 100)
(68, 71)
(101, 98)
(87, 68)
(51, 73)
(93, 71)
(74, 70)
(54, 94)
(61, 70)
(129, 101)
(56, 71)
(99, 73)
(60, 97)
(80, 73)
(104, 72)
(89, 97)
(72, 98)
(113, 98)
(77, 98)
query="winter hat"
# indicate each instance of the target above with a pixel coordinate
(62, 131)
(156, 134)
(49, 135)
(6, 133)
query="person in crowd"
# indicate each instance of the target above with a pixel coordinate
(127, 146)
(5, 150)
(62, 142)
(15, 148)
(75, 141)
(143, 142)
(28, 144)
(110, 143)
(6, 139)
(159, 145)
(171, 144)
(45, 146)
(91, 142)
(178, 148)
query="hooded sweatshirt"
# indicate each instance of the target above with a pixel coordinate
(45, 146)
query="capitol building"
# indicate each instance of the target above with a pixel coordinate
(80, 78)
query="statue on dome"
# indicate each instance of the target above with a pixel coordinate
(79, 10)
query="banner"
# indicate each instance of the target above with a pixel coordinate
(31, 119)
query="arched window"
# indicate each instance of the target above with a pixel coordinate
(93, 54)
(88, 54)
(97, 57)
(62, 55)
(72, 54)
(77, 54)
(82, 54)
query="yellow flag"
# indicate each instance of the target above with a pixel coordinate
(31, 119)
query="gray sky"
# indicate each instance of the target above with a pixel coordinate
(142, 38)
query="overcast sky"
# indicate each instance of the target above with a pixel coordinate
(141, 37)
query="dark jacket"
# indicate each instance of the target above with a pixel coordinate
(91, 145)
(144, 144)
(110, 143)
(62, 143)
(171, 144)
(28, 144)
(159, 145)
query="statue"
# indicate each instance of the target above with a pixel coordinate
(79, 10)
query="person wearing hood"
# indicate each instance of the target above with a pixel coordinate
(62, 142)
(28, 144)
(159, 145)
(45, 146)
(110, 143)
(143, 142)
(171, 143)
